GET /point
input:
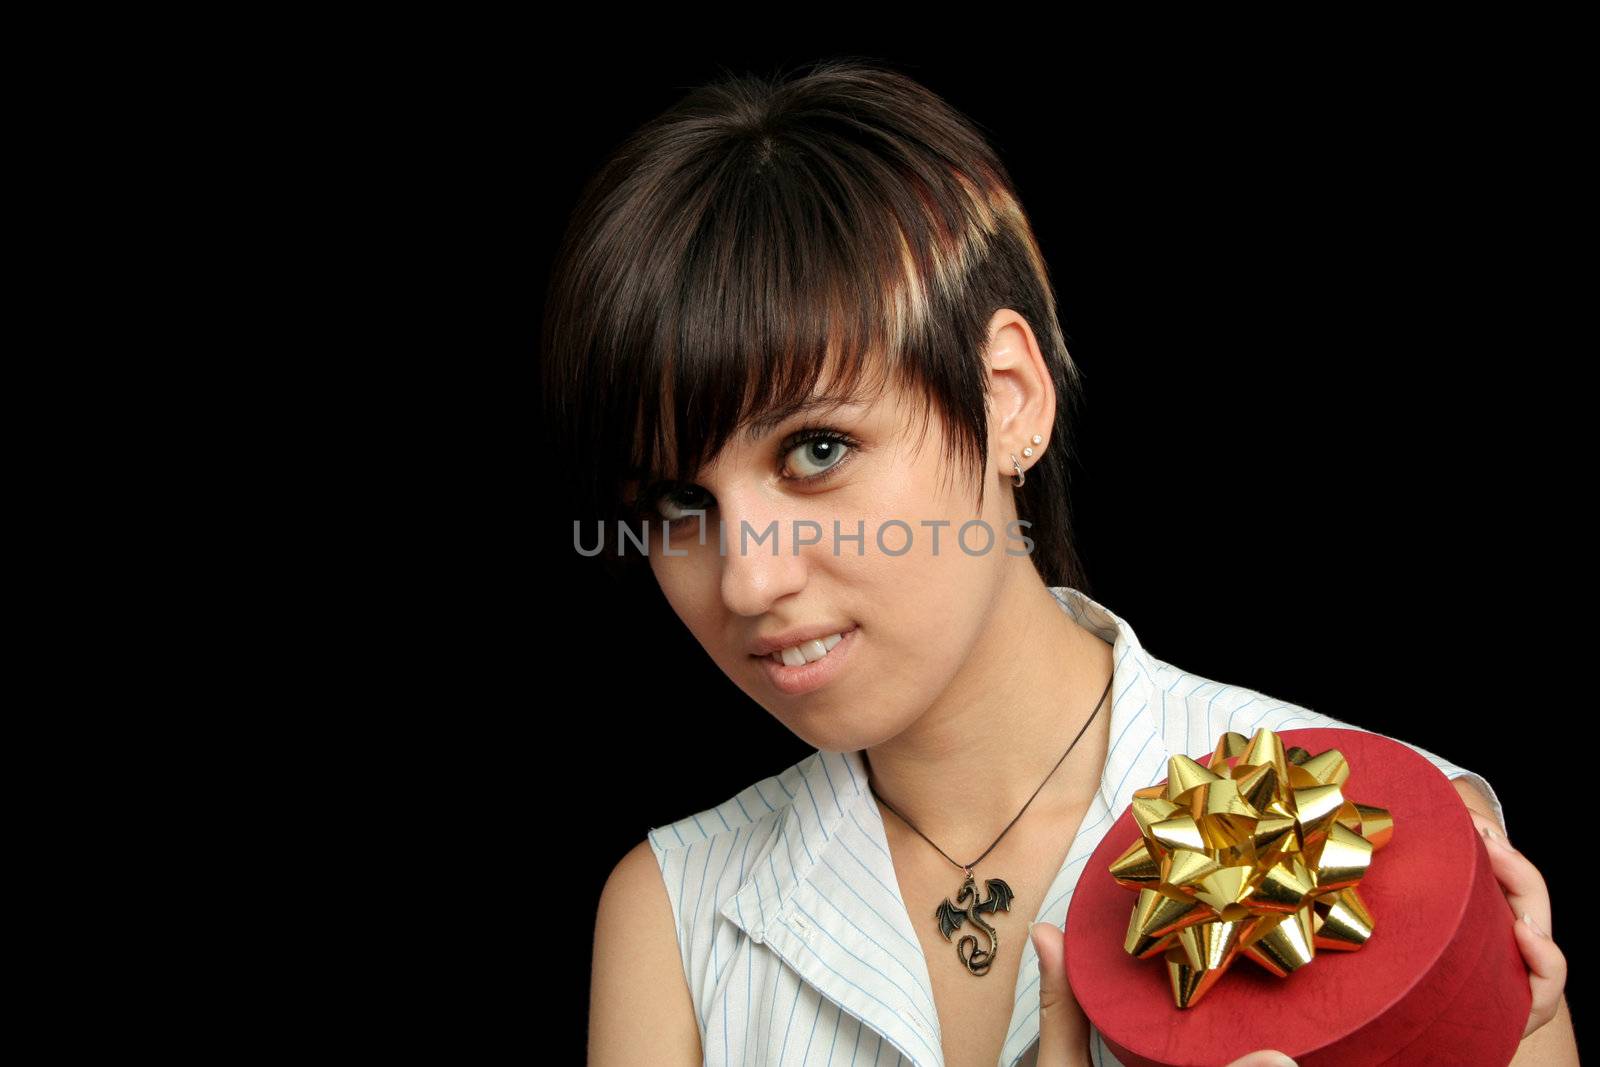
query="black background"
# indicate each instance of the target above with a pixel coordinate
(1313, 296)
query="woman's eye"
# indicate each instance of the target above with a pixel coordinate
(813, 458)
(809, 455)
(671, 505)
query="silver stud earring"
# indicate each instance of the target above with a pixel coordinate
(1020, 477)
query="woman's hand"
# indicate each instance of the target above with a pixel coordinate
(1063, 1028)
(1524, 887)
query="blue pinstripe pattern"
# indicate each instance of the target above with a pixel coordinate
(804, 950)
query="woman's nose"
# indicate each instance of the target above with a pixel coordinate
(759, 563)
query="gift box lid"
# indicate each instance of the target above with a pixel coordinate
(1440, 980)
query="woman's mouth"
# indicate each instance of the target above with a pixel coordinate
(810, 664)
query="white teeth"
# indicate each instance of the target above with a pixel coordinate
(807, 651)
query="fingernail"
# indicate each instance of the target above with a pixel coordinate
(1527, 917)
(1283, 1061)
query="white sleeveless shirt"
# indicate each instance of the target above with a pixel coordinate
(795, 940)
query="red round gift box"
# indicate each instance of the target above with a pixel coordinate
(1440, 981)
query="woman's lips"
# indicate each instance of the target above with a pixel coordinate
(794, 681)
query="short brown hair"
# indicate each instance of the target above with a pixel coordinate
(766, 226)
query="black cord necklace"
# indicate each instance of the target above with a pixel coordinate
(967, 905)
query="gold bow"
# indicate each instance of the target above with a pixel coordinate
(1261, 858)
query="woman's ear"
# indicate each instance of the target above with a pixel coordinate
(1022, 397)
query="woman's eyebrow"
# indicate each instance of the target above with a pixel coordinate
(759, 428)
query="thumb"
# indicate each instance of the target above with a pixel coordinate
(1063, 1028)
(1263, 1058)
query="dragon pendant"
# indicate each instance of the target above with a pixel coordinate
(968, 906)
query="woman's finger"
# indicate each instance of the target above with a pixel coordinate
(1063, 1029)
(1266, 1057)
(1525, 889)
(1519, 879)
(1547, 974)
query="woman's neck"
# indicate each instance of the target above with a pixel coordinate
(967, 766)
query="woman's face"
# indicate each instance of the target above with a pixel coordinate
(908, 621)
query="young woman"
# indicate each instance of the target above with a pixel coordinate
(817, 311)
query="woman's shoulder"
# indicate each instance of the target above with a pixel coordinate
(715, 875)
(757, 807)
(707, 857)
(1194, 711)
